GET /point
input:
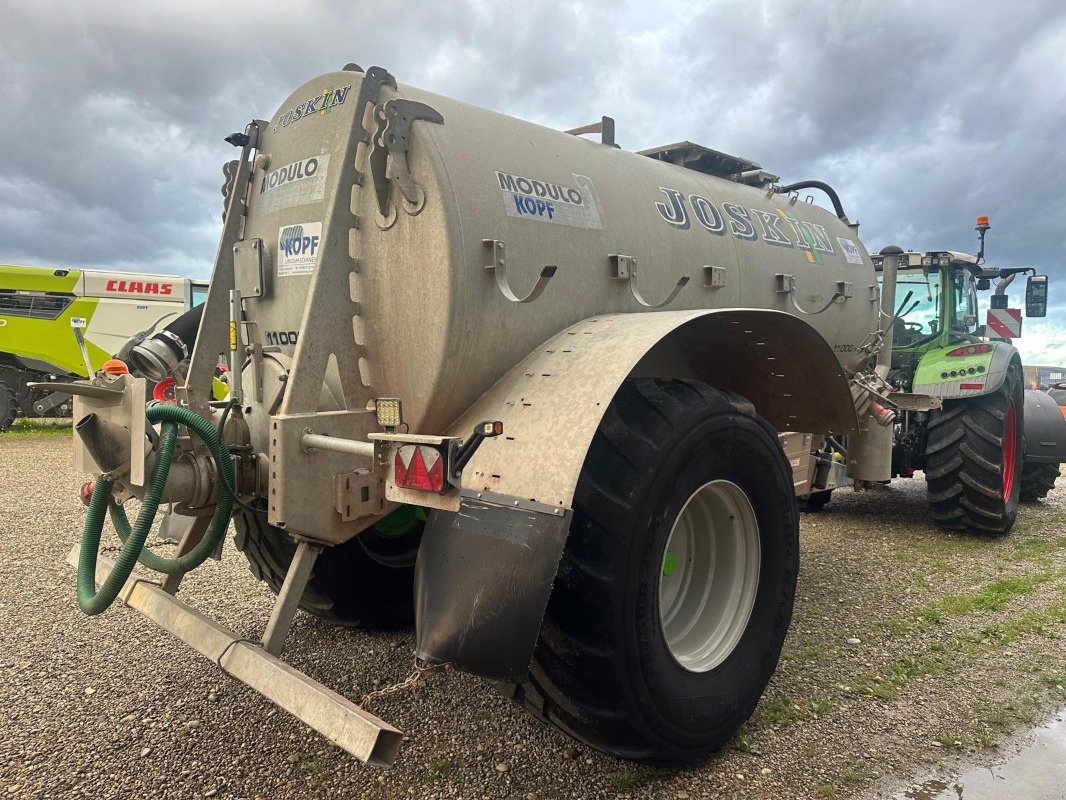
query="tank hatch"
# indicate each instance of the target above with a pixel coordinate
(711, 162)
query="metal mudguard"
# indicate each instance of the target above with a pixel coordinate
(482, 582)
(1045, 429)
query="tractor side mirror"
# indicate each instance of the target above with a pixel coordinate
(1036, 296)
(969, 321)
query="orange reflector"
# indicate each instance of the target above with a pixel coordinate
(971, 386)
(114, 366)
(419, 467)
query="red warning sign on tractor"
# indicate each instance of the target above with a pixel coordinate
(1005, 322)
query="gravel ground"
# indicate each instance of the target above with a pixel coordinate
(910, 649)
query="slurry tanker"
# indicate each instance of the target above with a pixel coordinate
(548, 400)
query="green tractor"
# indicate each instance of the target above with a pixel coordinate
(991, 443)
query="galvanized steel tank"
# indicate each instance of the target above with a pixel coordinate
(437, 330)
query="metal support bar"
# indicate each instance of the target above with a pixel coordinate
(315, 441)
(236, 349)
(288, 601)
(605, 128)
(348, 726)
(197, 527)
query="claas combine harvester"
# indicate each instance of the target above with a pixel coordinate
(528, 391)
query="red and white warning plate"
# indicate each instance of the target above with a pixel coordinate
(1005, 322)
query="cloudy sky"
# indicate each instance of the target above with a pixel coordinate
(922, 114)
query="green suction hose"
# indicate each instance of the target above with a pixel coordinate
(93, 601)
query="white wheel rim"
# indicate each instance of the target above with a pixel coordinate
(709, 576)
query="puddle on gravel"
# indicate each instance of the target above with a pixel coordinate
(1036, 772)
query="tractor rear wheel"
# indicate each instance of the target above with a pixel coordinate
(367, 582)
(973, 460)
(9, 406)
(676, 586)
(1038, 480)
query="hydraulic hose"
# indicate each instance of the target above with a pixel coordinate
(94, 601)
(834, 198)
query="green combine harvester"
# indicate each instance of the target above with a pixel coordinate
(62, 324)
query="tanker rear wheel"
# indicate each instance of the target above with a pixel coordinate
(973, 460)
(676, 586)
(367, 582)
(1038, 480)
(9, 406)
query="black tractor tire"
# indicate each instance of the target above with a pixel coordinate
(815, 501)
(973, 460)
(602, 671)
(9, 406)
(367, 582)
(1038, 480)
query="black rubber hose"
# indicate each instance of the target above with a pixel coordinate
(825, 187)
(184, 328)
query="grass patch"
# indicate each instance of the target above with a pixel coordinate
(635, 777)
(311, 767)
(745, 743)
(991, 598)
(440, 767)
(779, 712)
(882, 691)
(827, 790)
(997, 718)
(821, 707)
(1033, 548)
(853, 774)
(32, 429)
(985, 741)
(948, 739)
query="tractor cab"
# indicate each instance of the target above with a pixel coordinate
(935, 322)
(936, 301)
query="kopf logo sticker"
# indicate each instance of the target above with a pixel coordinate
(298, 247)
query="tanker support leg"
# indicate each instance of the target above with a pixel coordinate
(336, 717)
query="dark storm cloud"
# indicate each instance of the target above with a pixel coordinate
(922, 114)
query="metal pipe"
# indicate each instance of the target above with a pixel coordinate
(315, 441)
(870, 452)
(889, 274)
(106, 443)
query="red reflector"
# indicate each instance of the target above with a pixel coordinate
(970, 350)
(971, 386)
(419, 467)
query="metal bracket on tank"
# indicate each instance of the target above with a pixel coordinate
(786, 284)
(496, 263)
(624, 268)
(388, 160)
